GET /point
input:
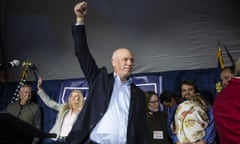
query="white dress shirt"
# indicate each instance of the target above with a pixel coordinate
(112, 128)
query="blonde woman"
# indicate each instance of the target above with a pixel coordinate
(67, 114)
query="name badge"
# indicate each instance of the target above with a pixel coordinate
(157, 134)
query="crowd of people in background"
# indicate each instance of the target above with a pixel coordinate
(118, 112)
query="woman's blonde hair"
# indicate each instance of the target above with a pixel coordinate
(68, 105)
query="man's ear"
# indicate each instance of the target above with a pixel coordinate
(113, 63)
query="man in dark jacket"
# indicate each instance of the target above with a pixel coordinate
(115, 109)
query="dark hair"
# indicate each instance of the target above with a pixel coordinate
(149, 94)
(166, 96)
(231, 68)
(190, 83)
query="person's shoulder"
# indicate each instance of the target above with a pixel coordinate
(137, 89)
(135, 86)
(33, 104)
(13, 103)
(235, 79)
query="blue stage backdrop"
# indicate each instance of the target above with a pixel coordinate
(146, 83)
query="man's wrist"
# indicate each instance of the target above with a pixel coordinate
(79, 21)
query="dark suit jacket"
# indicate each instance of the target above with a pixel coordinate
(100, 90)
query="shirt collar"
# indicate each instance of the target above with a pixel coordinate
(117, 79)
